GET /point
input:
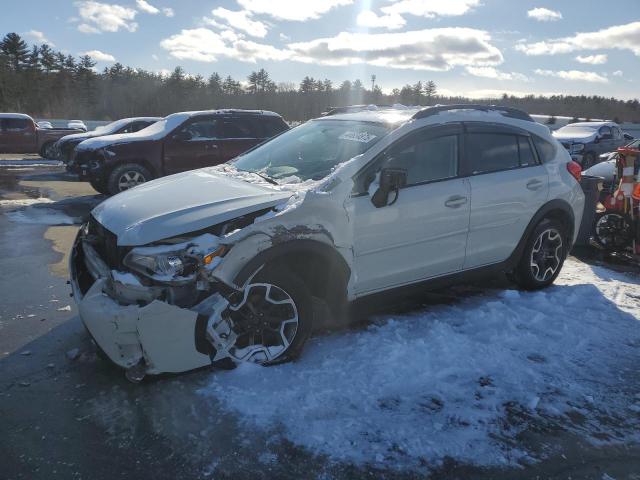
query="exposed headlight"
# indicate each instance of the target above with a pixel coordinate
(577, 147)
(163, 266)
(179, 262)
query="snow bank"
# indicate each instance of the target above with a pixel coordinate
(458, 380)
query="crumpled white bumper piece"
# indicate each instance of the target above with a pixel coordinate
(162, 335)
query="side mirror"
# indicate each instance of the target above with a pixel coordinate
(183, 136)
(391, 180)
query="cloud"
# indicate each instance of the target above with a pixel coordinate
(544, 15)
(618, 73)
(369, 19)
(99, 56)
(145, 6)
(573, 75)
(204, 45)
(592, 59)
(431, 8)
(105, 17)
(622, 37)
(292, 10)
(240, 20)
(492, 72)
(168, 12)
(38, 37)
(438, 49)
(85, 28)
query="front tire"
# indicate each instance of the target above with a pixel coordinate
(99, 186)
(273, 320)
(48, 151)
(127, 176)
(543, 256)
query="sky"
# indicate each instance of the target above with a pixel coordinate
(476, 48)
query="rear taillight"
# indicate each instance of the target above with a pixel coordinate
(575, 170)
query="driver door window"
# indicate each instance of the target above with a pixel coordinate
(199, 130)
(426, 159)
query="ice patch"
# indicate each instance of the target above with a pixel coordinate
(41, 216)
(457, 380)
(24, 202)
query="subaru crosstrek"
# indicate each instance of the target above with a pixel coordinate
(239, 260)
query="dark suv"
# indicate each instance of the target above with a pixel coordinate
(65, 147)
(179, 142)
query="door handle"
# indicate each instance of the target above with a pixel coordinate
(534, 185)
(455, 201)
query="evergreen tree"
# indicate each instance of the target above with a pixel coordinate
(16, 50)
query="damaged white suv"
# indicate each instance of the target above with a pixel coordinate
(239, 260)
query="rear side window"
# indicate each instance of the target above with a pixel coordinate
(491, 152)
(546, 150)
(527, 156)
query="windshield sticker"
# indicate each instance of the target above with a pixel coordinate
(362, 137)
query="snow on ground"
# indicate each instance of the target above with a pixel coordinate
(30, 163)
(34, 211)
(459, 380)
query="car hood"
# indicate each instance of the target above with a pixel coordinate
(582, 136)
(78, 137)
(110, 140)
(182, 203)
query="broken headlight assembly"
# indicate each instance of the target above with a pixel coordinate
(179, 262)
(162, 266)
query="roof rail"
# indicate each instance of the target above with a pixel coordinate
(505, 111)
(358, 108)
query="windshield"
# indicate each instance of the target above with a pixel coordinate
(576, 128)
(112, 127)
(312, 150)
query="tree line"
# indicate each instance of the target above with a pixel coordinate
(45, 83)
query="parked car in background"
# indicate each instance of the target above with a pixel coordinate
(44, 124)
(19, 133)
(240, 260)
(65, 147)
(79, 124)
(179, 142)
(585, 141)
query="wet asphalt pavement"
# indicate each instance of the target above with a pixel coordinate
(65, 413)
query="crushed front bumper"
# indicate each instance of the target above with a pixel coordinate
(131, 325)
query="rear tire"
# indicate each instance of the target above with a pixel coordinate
(127, 176)
(543, 256)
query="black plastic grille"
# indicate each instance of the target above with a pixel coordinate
(105, 244)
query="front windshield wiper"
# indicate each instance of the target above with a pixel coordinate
(265, 177)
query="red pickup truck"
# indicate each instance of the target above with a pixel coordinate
(19, 133)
